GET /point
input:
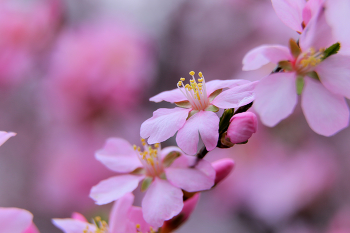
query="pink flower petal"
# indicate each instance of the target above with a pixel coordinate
(161, 202)
(119, 214)
(114, 188)
(172, 96)
(242, 126)
(4, 136)
(69, 225)
(334, 73)
(317, 34)
(223, 168)
(31, 229)
(78, 216)
(14, 220)
(236, 97)
(163, 124)
(221, 84)
(118, 155)
(135, 216)
(326, 113)
(290, 12)
(165, 151)
(311, 8)
(264, 54)
(201, 177)
(275, 97)
(204, 122)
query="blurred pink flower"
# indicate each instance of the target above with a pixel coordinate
(296, 14)
(99, 68)
(4, 136)
(26, 30)
(14, 220)
(322, 93)
(242, 127)
(198, 102)
(164, 173)
(124, 218)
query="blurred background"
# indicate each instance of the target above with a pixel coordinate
(75, 72)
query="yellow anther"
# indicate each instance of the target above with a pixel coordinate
(156, 145)
(200, 80)
(179, 83)
(98, 218)
(200, 84)
(192, 73)
(150, 160)
(182, 79)
(191, 81)
(200, 74)
(138, 226)
(138, 149)
(134, 146)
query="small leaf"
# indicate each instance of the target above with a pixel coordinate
(183, 104)
(285, 65)
(225, 120)
(300, 84)
(170, 158)
(212, 108)
(146, 183)
(294, 48)
(331, 50)
(214, 94)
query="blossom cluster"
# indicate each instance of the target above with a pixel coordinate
(217, 114)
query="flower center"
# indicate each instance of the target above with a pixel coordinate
(150, 159)
(101, 226)
(307, 61)
(195, 91)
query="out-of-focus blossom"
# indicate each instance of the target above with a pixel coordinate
(314, 70)
(14, 220)
(241, 128)
(198, 103)
(26, 29)
(99, 68)
(124, 218)
(296, 14)
(340, 222)
(164, 173)
(4, 136)
(223, 168)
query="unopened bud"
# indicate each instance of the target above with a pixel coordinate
(242, 127)
(222, 167)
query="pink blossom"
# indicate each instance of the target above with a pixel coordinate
(14, 220)
(223, 168)
(4, 136)
(198, 102)
(98, 69)
(242, 127)
(164, 173)
(123, 218)
(322, 81)
(296, 14)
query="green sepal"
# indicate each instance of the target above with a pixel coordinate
(214, 94)
(146, 183)
(183, 104)
(294, 48)
(170, 158)
(225, 120)
(192, 113)
(331, 50)
(138, 171)
(212, 108)
(162, 176)
(285, 65)
(300, 84)
(313, 75)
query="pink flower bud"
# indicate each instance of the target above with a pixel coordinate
(222, 167)
(241, 128)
